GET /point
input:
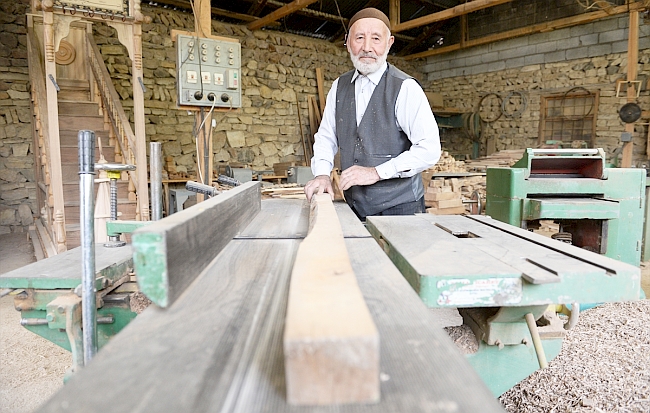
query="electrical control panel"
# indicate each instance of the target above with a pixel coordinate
(209, 72)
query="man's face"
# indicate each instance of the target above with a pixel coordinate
(368, 43)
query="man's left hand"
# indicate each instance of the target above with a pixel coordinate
(358, 175)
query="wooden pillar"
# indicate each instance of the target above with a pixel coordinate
(56, 185)
(138, 116)
(632, 67)
(393, 12)
(203, 28)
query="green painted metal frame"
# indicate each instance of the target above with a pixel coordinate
(117, 228)
(513, 197)
(506, 354)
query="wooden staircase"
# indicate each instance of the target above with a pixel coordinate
(76, 115)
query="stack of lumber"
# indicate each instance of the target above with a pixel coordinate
(285, 191)
(448, 163)
(443, 198)
(501, 159)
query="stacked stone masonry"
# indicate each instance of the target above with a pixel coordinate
(593, 56)
(17, 187)
(278, 73)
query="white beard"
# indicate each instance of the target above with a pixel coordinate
(367, 68)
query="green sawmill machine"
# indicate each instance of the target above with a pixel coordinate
(598, 208)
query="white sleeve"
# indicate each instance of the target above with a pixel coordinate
(325, 141)
(415, 119)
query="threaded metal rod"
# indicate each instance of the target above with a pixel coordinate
(86, 142)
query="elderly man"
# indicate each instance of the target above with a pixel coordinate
(381, 121)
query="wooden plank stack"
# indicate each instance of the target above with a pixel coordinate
(501, 159)
(443, 197)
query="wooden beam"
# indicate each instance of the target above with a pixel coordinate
(394, 12)
(632, 68)
(214, 10)
(331, 344)
(320, 83)
(537, 28)
(459, 10)
(169, 254)
(426, 34)
(257, 7)
(280, 13)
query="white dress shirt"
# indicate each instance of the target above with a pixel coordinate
(413, 117)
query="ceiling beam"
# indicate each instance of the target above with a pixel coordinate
(185, 5)
(279, 13)
(393, 12)
(257, 7)
(426, 33)
(459, 10)
(536, 28)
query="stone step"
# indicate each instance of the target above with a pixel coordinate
(126, 207)
(76, 108)
(77, 123)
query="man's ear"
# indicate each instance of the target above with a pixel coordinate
(391, 40)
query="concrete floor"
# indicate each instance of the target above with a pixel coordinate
(31, 368)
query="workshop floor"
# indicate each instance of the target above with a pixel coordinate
(32, 368)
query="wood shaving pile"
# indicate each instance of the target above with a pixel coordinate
(604, 366)
(139, 302)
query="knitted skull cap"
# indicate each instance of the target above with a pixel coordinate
(369, 13)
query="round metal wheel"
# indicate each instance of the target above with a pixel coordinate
(476, 206)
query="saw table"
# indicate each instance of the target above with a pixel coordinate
(497, 274)
(214, 341)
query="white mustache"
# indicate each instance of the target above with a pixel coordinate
(370, 55)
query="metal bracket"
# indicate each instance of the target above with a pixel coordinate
(627, 83)
(64, 312)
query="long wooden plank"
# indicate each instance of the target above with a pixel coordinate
(331, 344)
(63, 270)
(169, 254)
(536, 28)
(447, 14)
(632, 68)
(195, 356)
(289, 219)
(295, 5)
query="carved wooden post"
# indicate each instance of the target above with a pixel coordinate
(53, 124)
(138, 117)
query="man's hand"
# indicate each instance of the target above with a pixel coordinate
(358, 175)
(319, 185)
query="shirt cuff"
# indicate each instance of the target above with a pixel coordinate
(387, 170)
(321, 167)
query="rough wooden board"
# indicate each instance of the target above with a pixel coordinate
(289, 218)
(177, 248)
(63, 270)
(331, 344)
(194, 356)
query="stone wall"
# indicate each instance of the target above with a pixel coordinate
(17, 186)
(592, 56)
(278, 73)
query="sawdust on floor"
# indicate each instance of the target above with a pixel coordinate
(31, 368)
(604, 366)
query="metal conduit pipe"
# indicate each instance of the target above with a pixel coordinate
(86, 144)
(537, 342)
(155, 169)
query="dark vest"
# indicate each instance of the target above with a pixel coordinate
(376, 140)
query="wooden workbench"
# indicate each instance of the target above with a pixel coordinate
(218, 347)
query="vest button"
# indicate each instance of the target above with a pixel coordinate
(356, 161)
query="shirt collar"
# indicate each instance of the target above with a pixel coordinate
(374, 77)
